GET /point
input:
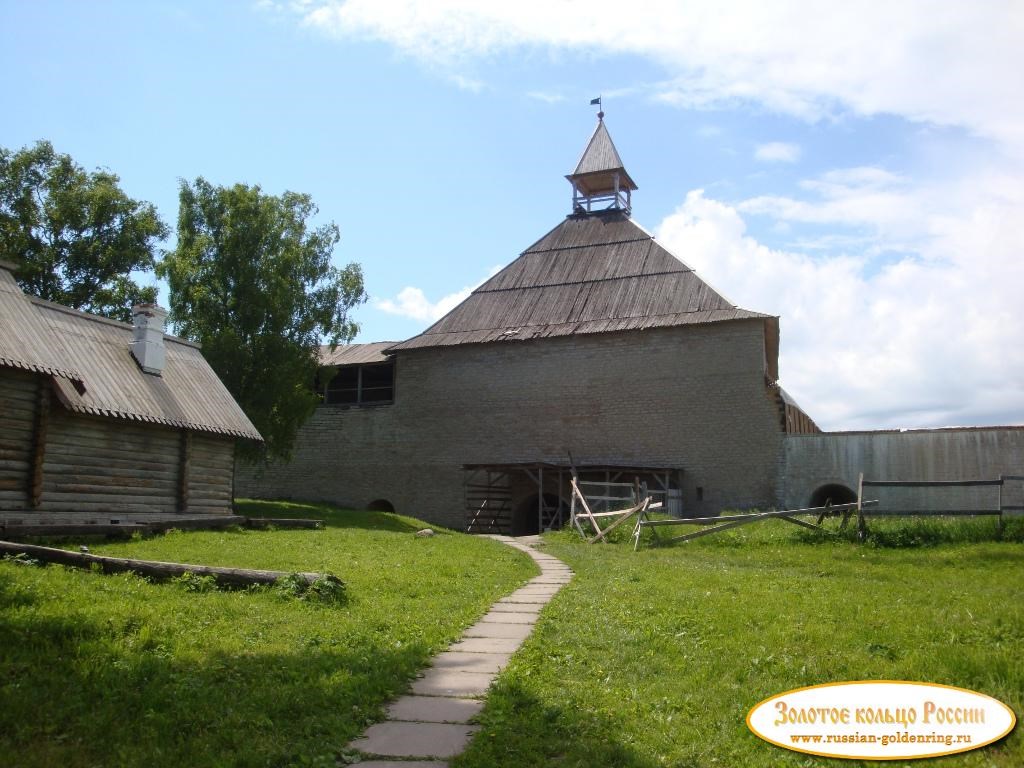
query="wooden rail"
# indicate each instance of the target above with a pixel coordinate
(725, 522)
(999, 511)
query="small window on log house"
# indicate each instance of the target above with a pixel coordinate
(370, 384)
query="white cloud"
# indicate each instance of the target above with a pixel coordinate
(413, 303)
(930, 339)
(777, 152)
(548, 97)
(470, 84)
(866, 196)
(954, 64)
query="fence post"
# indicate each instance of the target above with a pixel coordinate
(1001, 481)
(861, 526)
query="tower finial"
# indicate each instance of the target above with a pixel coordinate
(600, 108)
(599, 178)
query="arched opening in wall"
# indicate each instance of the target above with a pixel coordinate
(381, 505)
(525, 520)
(833, 494)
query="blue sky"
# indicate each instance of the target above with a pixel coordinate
(855, 168)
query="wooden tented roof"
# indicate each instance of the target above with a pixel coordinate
(599, 163)
(592, 273)
(95, 373)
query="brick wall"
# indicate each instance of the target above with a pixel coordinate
(692, 398)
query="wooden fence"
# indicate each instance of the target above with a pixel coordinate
(999, 510)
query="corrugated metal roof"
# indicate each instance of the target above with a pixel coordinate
(590, 274)
(355, 354)
(110, 383)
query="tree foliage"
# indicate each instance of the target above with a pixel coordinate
(74, 235)
(254, 284)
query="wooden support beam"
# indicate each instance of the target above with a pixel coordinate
(1000, 506)
(715, 529)
(626, 514)
(725, 522)
(862, 528)
(803, 523)
(184, 469)
(42, 422)
(927, 483)
(835, 509)
(936, 513)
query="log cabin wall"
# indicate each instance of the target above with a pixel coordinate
(56, 462)
(106, 465)
(86, 431)
(18, 397)
(210, 474)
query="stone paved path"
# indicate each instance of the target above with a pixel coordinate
(431, 724)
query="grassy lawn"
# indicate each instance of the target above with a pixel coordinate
(654, 658)
(115, 671)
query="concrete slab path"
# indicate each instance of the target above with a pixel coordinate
(431, 724)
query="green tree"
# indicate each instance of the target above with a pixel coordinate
(74, 235)
(254, 284)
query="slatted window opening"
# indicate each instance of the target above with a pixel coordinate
(369, 384)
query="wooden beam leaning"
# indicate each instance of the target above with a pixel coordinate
(586, 508)
(625, 515)
(643, 521)
(725, 522)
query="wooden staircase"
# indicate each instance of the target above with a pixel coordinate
(488, 501)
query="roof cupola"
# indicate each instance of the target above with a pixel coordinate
(600, 182)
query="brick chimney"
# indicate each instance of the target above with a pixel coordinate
(147, 345)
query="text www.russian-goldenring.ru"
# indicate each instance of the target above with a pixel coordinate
(948, 739)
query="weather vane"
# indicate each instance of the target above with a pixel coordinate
(600, 109)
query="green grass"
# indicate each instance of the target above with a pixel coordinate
(654, 658)
(115, 671)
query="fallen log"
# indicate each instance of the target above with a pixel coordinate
(233, 577)
(283, 522)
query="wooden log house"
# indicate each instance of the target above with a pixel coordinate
(102, 422)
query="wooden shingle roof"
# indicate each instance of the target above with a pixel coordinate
(592, 273)
(355, 354)
(598, 164)
(95, 373)
(24, 342)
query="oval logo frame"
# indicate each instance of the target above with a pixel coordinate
(881, 720)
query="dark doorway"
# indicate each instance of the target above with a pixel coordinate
(833, 494)
(525, 521)
(381, 505)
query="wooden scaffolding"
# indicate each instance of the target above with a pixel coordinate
(488, 500)
(490, 490)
